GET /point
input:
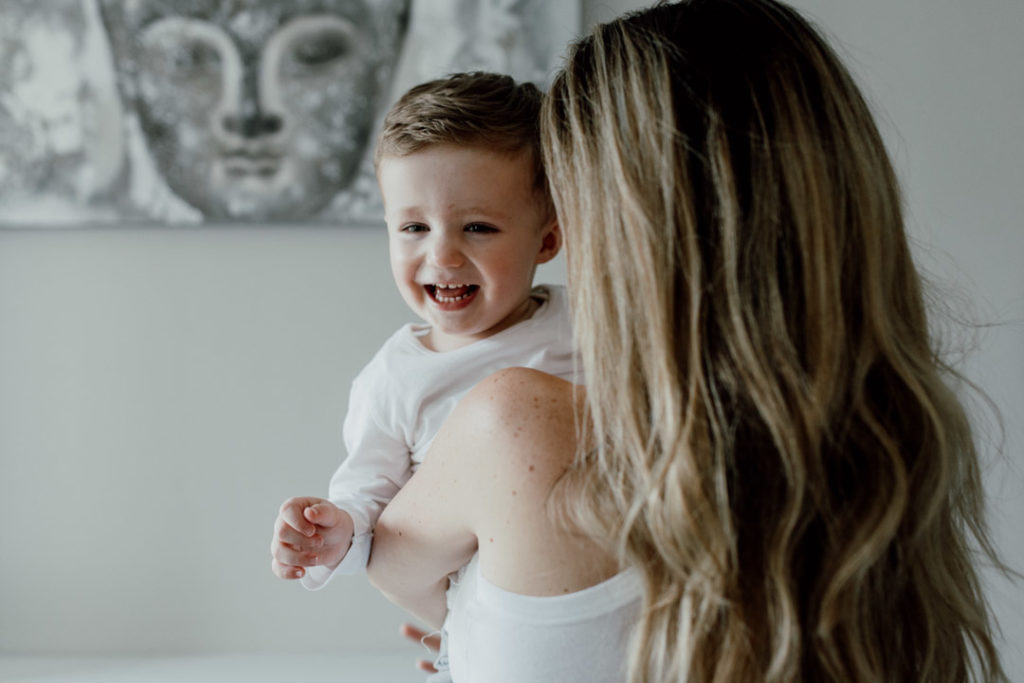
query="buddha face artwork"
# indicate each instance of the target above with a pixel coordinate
(255, 110)
(195, 112)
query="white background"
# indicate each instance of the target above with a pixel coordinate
(163, 390)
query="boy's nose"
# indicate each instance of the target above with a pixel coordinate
(446, 253)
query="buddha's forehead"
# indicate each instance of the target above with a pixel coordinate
(252, 21)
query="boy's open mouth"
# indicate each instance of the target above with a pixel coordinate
(449, 294)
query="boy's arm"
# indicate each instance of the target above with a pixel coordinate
(377, 466)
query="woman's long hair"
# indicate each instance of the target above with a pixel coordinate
(776, 447)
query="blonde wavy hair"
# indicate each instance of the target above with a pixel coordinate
(776, 445)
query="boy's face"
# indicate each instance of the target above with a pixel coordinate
(466, 230)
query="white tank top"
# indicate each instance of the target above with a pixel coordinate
(495, 636)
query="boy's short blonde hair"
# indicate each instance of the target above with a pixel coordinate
(479, 109)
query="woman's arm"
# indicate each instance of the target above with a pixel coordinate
(427, 530)
(484, 485)
(423, 534)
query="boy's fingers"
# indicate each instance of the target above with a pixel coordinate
(412, 632)
(286, 534)
(291, 513)
(428, 638)
(286, 571)
(291, 557)
(419, 636)
(322, 514)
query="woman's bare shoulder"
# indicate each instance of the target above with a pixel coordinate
(528, 417)
(524, 423)
(525, 382)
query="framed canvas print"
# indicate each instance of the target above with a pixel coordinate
(198, 112)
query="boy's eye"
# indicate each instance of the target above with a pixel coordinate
(414, 227)
(480, 227)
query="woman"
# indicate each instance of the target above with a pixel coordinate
(766, 438)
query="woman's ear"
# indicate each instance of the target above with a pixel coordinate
(551, 242)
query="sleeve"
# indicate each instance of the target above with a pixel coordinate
(377, 466)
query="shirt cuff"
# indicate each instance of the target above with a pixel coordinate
(354, 562)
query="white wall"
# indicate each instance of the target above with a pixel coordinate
(162, 390)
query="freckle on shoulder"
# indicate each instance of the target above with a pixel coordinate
(513, 389)
(518, 405)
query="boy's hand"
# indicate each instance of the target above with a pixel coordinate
(418, 635)
(309, 532)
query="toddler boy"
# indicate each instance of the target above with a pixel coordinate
(469, 219)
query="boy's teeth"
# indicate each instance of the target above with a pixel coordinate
(452, 292)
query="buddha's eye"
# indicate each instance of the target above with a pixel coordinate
(193, 56)
(181, 48)
(314, 45)
(320, 48)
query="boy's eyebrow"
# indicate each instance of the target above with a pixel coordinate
(484, 211)
(415, 212)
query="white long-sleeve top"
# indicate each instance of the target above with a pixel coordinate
(403, 395)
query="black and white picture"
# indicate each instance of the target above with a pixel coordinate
(192, 112)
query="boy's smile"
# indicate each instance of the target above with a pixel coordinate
(466, 230)
(449, 295)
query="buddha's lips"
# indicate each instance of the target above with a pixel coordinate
(244, 165)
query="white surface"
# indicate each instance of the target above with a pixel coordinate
(339, 668)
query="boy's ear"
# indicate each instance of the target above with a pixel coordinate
(551, 242)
